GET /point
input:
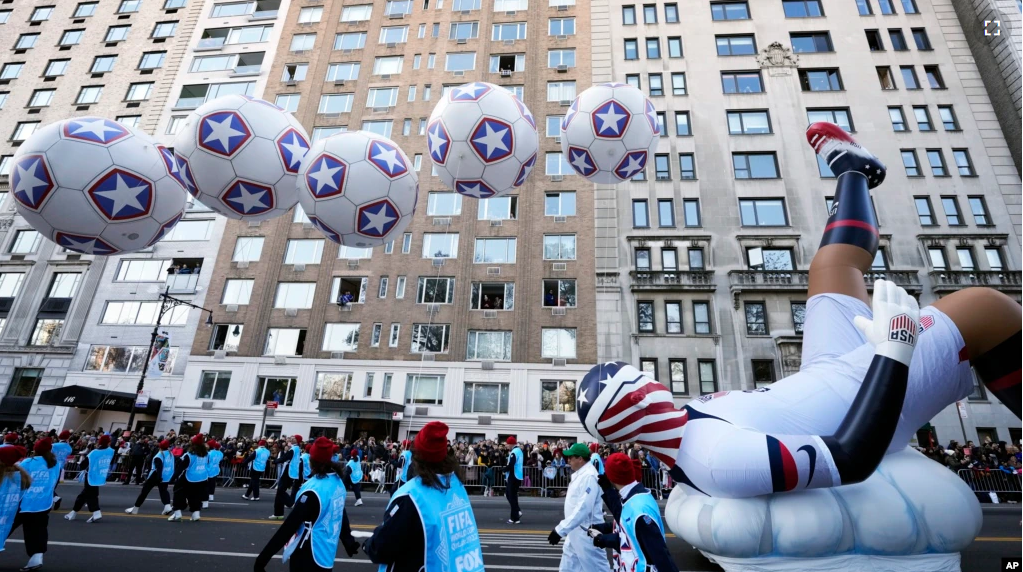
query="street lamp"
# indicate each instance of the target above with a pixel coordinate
(167, 303)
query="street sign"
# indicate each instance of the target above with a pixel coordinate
(272, 404)
(962, 409)
(142, 400)
(397, 416)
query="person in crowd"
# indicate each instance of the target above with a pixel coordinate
(558, 462)
(61, 451)
(583, 510)
(310, 534)
(256, 461)
(550, 299)
(290, 479)
(14, 482)
(598, 462)
(636, 535)
(94, 471)
(353, 477)
(404, 465)
(10, 439)
(161, 473)
(34, 512)
(139, 450)
(429, 516)
(212, 470)
(190, 480)
(514, 475)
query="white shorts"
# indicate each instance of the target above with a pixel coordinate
(835, 359)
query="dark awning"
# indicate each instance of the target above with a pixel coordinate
(91, 398)
(361, 406)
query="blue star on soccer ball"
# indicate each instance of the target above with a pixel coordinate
(387, 157)
(84, 244)
(469, 92)
(94, 130)
(614, 84)
(164, 229)
(183, 175)
(378, 218)
(581, 161)
(121, 195)
(438, 141)
(262, 102)
(292, 147)
(610, 120)
(632, 163)
(524, 112)
(475, 188)
(651, 117)
(525, 170)
(247, 198)
(326, 176)
(223, 133)
(492, 140)
(572, 109)
(32, 181)
(322, 227)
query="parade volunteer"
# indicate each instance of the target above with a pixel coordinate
(290, 479)
(14, 481)
(404, 465)
(513, 477)
(212, 470)
(353, 472)
(637, 534)
(34, 513)
(429, 516)
(582, 510)
(191, 490)
(160, 475)
(595, 459)
(257, 465)
(317, 522)
(94, 471)
(61, 451)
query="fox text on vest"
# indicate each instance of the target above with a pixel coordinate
(469, 562)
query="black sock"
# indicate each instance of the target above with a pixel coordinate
(999, 369)
(851, 219)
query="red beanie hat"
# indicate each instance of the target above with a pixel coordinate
(432, 442)
(309, 446)
(637, 470)
(618, 468)
(12, 454)
(103, 441)
(43, 446)
(321, 450)
(164, 445)
(11, 437)
(212, 444)
(406, 444)
(593, 447)
(262, 442)
(512, 440)
(65, 434)
(298, 438)
(198, 439)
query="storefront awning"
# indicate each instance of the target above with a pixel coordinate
(91, 398)
(361, 406)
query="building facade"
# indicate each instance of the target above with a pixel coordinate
(702, 262)
(481, 315)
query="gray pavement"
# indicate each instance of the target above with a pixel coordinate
(233, 531)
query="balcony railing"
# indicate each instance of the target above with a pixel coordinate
(672, 279)
(952, 280)
(907, 279)
(182, 283)
(787, 280)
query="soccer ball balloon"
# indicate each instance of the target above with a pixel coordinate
(358, 188)
(482, 139)
(240, 156)
(94, 186)
(609, 133)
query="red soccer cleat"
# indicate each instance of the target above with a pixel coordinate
(843, 154)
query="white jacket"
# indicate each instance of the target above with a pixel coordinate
(583, 506)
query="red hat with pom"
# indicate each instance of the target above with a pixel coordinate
(618, 468)
(43, 446)
(321, 450)
(103, 441)
(212, 444)
(12, 454)
(164, 445)
(198, 439)
(65, 434)
(297, 438)
(11, 437)
(432, 442)
(512, 440)
(262, 442)
(593, 447)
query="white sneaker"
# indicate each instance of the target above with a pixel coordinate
(358, 502)
(167, 509)
(195, 516)
(275, 517)
(176, 516)
(205, 504)
(95, 517)
(70, 515)
(211, 497)
(246, 497)
(132, 510)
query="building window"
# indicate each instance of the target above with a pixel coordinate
(499, 208)
(885, 77)
(729, 11)
(340, 338)
(444, 204)
(71, 37)
(756, 319)
(678, 83)
(406, 243)
(909, 79)
(951, 207)
(42, 97)
(820, 80)
(165, 29)
(10, 284)
(25, 242)
(874, 41)
(226, 337)
(85, 9)
(237, 292)
(288, 101)
(295, 295)
(671, 13)
(123, 359)
(430, 338)
(665, 211)
(708, 376)
(350, 41)
(965, 255)
(909, 161)
(285, 342)
(64, 285)
(802, 8)
(994, 258)
(963, 163)
(631, 49)
(696, 259)
(558, 343)
(645, 315)
(979, 209)
(934, 78)
(633, 80)
(25, 382)
(755, 165)
(701, 317)
(214, 385)
(26, 41)
(46, 332)
(682, 125)
(923, 211)
(103, 64)
(628, 15)
(382, 289)
(923, 43)
(277, 389)
(923, 118)
(887, 8)
(898, 119)
(742, 82)
(490, 346)
(556, 247)
(649, 367)
(440, 245)
(56, 68)
(743, 45)
(485, 397)
(673, 317)
(811, 42)
(494, 251)
(11, 70)
(247, 249)
(424, 390)
(399, 287)
(559, 203)
(656, 84)
(763, 372)
(898, 40)
(117, 33)
(558, 396)
(508, 31)
(748, 122)
(936, 159)
(798, 316)
(492, 296)
(560, 91)
(677, 375)
(687, 166)
(675, 47)
(653, 48)
(642, 259)
(948, 118)
(769, 259)
(937, 256)
(306, 251)
(863, 7)
(561, 27)
(640, 214)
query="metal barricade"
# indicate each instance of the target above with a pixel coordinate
(993, 481)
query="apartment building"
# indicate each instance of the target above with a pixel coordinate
(702, 260)
(481, 315)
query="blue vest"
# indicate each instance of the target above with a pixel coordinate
(306, 469)
(259, 461)
(99, 466)
(296, 455)
(598, 463)
(356, 467)
(213, 463)
(630, 556)
(405, 466)
(196, 471)
(61, 451)
(39, 496)
(10, 498)
(449, 527)
(517, 453)
(326, 531)
(167, 458)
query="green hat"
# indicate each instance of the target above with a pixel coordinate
(577, 450)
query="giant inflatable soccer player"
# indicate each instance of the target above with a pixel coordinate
(814, 470)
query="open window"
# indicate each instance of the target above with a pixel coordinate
(559, 293)
(351, 288)
(492, 296)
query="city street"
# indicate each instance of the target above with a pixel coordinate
(233, 531)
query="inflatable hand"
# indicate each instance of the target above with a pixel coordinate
(895, 325)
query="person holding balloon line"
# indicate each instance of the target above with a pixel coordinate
(94, 471)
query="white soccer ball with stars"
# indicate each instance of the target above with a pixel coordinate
(95, 186)
(609, 133)
(240, 156)
(358, 188)
(482, 140)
